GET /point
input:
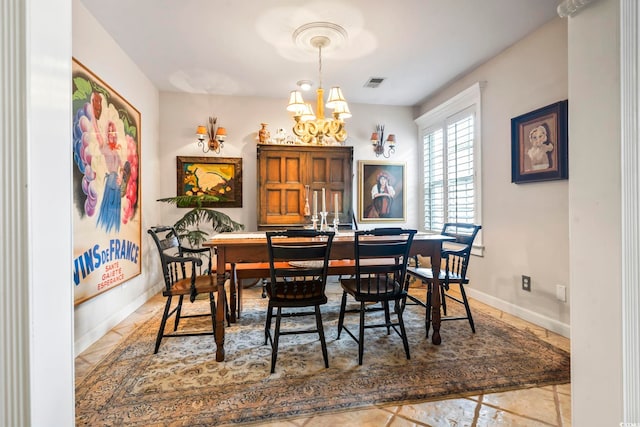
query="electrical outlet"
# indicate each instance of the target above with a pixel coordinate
(526, 283)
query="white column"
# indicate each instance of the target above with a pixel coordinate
(630, 132)
(14, 270)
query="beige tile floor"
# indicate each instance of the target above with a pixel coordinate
(543, 406)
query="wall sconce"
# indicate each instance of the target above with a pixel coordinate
(379, 143)
(216, 136)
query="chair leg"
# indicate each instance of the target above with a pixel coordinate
(361, 334)
(467, 308)
(212, 304)
(267, 325)
(239, 298)
(323, 343)
(343, 307)
(226, 309)
(443, 300)
(276, 337)
(178, 313)
(387, 317)
(427, 316)
(163, 323)
(405, 340)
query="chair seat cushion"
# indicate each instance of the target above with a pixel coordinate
(426, 275)
(372, 289)
(309, 292)
(204, 284)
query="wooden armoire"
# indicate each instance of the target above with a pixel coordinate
(285, 170)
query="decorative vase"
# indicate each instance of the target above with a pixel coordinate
(263, 134)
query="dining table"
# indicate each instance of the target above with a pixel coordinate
(249, 247)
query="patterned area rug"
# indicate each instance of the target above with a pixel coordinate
(184, 385)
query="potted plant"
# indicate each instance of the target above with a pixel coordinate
(189, 226)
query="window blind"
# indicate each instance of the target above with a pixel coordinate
(449, 172)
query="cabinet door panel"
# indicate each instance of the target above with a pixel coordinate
(273, 170)
(273, 202)
(280, 187)
(318, 170)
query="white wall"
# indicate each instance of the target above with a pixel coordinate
(180, 114)
(95, 48)
(525, 226)
(595, 215)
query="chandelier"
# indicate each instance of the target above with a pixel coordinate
(310, 127)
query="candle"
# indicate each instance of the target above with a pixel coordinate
(335, 203)
(324, 203)
(315, 203)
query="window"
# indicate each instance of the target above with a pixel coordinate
(450, 135)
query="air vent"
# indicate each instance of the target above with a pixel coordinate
(374, 82)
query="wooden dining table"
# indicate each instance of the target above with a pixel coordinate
(246, 247)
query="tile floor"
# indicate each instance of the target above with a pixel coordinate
(543, 406)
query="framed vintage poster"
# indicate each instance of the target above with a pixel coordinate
(539, 146)
(381, 191)
(106, 186)
(217, 177)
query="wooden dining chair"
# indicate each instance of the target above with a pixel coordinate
(380, 281)
(186, 271)
(298, 264)
(455, 259)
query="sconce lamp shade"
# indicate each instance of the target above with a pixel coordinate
(391, 140)
(374, 138)
(296, 103)
(221, 134)
(201, 131)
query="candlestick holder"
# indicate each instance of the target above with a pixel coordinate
(336, 223)
(323, 221)
(314, 221)
(307, 210)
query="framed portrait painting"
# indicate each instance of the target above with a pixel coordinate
(106, 186)
(217, 177)
(381, 191)
(539, 145)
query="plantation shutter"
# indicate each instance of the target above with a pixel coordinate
(449, 172)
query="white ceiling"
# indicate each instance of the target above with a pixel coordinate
(245, 47)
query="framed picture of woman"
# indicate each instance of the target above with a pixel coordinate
(381, 195)
(539, 146)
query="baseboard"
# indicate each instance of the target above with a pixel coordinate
(83, 342)
(528, 315)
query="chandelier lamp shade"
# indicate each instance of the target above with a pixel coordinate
(211, 137)
(313, 127)
(382, 147)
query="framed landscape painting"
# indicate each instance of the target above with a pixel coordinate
(539, 146)
(381, 191)
(217, 177)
